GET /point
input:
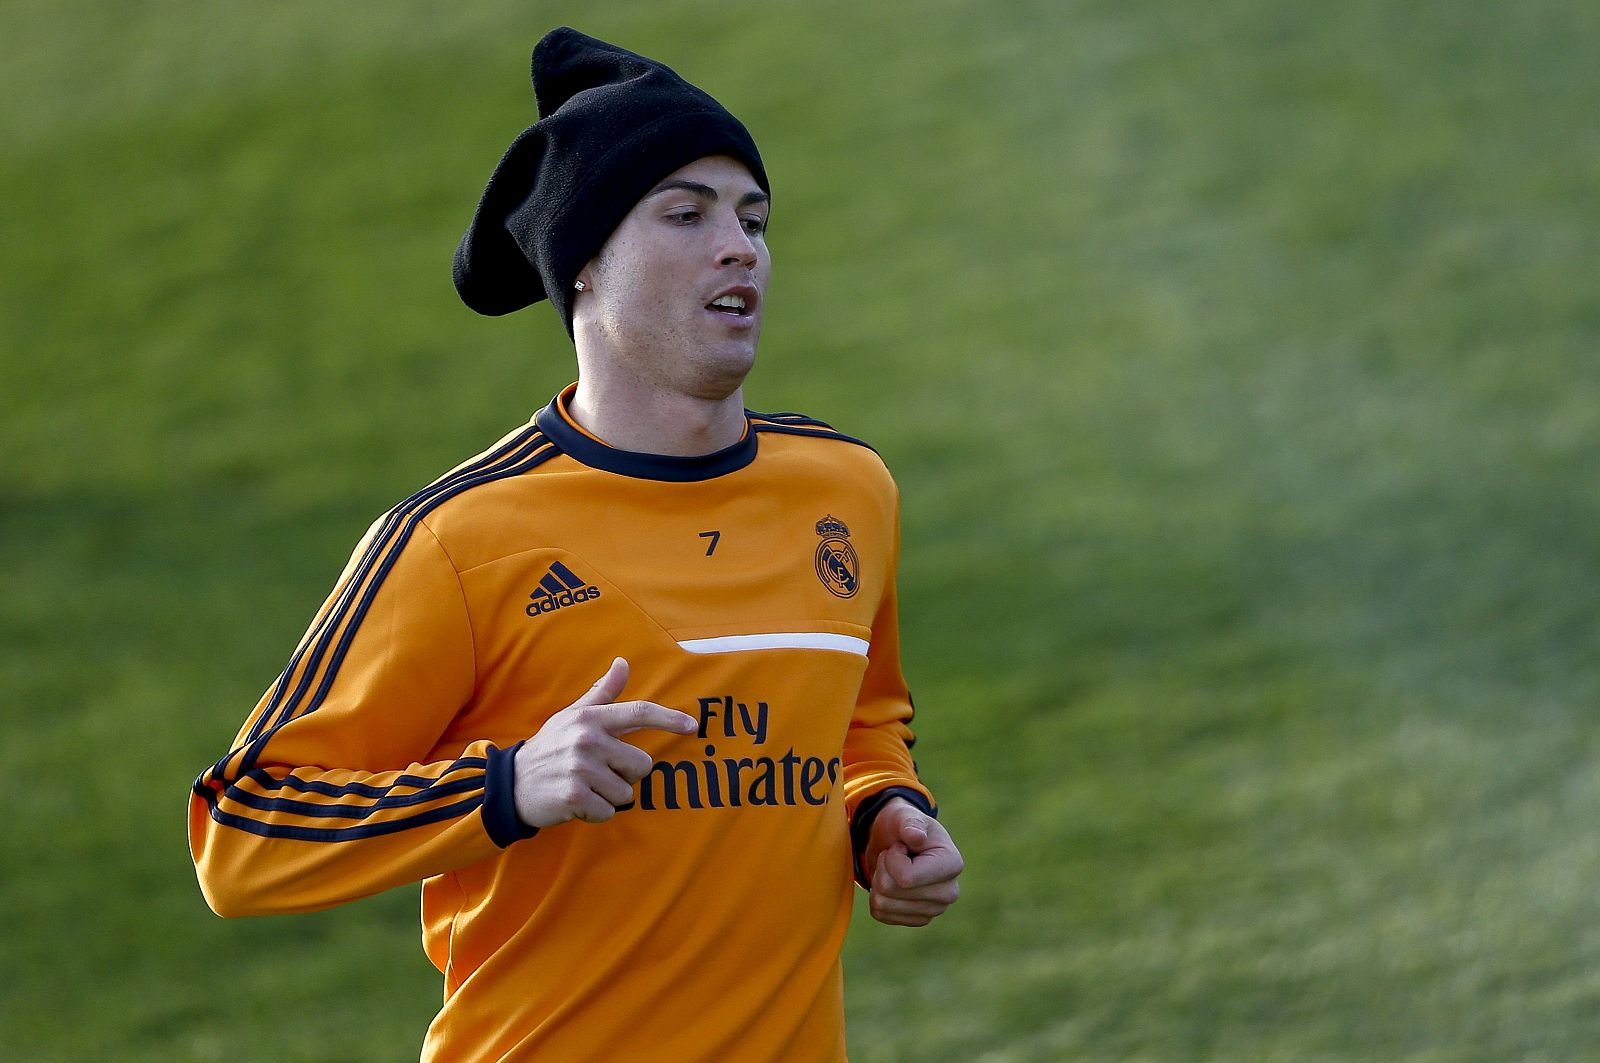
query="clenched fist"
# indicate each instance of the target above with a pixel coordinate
(912, 865)
(577, 766)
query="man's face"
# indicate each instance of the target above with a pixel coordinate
(697, 238)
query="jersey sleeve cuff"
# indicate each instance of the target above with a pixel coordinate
(867, 813)
(500, 799)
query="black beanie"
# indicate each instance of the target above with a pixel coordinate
(611, 125)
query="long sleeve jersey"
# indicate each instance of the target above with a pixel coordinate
(752, 588)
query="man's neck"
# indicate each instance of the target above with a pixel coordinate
(651, 421)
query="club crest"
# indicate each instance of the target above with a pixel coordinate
(837, 565)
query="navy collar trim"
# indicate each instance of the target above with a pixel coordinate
(552, 421)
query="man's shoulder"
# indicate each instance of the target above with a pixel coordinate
(800, 424)
(806, 433)
(520, 451)
(812, 450)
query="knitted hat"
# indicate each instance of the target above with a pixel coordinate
(611, 125)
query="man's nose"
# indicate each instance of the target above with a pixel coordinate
(735, 247)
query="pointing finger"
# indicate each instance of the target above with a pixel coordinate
(629, 716)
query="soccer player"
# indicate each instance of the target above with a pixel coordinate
(624, 690)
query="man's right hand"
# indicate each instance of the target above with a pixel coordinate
(577, 767)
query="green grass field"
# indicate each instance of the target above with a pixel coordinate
(1238, 365)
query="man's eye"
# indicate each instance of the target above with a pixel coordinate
(755, 225)
(686, 216)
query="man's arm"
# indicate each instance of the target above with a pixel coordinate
(329, 792)
(903, 854)
(326, 795)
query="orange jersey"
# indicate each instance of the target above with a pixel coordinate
(752, 588)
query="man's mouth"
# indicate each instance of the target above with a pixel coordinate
(733, 305)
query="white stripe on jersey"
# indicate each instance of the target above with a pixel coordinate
(784, 640)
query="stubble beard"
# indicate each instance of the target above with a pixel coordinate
(705, 370)
(681, 360)
(720, 375)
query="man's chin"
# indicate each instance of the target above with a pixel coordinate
(723, 372)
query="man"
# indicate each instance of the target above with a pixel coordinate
(655, 863)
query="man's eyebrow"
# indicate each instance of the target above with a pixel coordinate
(705, 191)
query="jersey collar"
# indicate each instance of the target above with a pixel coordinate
(557, 425)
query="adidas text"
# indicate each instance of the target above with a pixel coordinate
(545, 602)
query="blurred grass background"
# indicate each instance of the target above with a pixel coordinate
(1237, 362)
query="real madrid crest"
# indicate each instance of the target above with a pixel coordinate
(837, 566)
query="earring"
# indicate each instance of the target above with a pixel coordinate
(578, 286)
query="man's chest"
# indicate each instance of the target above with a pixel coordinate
(756, 599)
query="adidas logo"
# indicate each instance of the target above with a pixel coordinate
(558, 589)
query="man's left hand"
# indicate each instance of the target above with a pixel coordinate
(912, 865)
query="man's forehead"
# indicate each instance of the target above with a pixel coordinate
(723, 174)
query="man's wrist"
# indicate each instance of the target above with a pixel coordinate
(499, 811)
